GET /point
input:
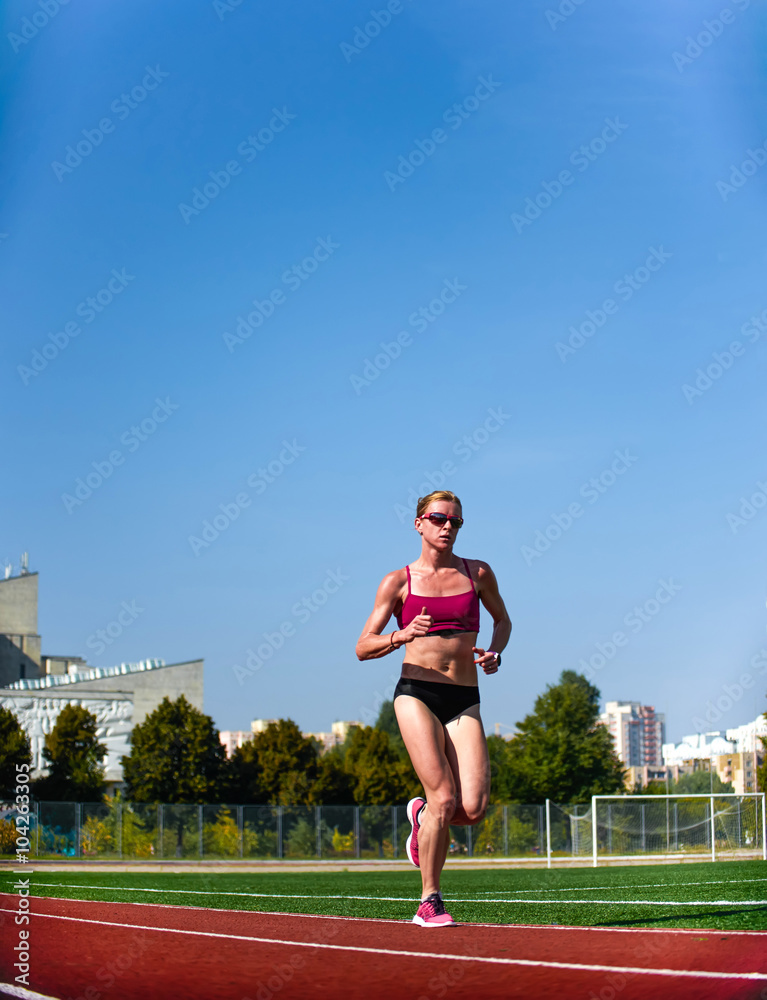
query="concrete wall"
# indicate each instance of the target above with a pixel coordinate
(149, 687)
(17, 652)
(18, 605)
(19, 641)
(37, 712)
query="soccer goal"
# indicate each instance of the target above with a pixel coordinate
(624, 827)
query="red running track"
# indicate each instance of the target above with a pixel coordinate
(81, 950)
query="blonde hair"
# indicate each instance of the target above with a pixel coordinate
(423, 502)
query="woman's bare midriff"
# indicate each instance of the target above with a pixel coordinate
(446, 659)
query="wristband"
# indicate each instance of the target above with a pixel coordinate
(496, 655)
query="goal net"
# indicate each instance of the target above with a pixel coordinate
(624, 826)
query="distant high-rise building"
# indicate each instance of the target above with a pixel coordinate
(233, 739)
(750, 737)
(638, 730)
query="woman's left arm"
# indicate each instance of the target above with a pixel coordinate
(487, 586)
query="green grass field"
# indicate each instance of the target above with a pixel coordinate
(726, 896)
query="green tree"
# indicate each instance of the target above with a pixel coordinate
(278, 766)
(501, 775)
(333, 785)
(75, 759)
(761, 771)
(176, 756)
(14, 749)
(699, 783)
(561, 751)
(387, 722)
(379, 775)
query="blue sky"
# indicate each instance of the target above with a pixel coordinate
(328, 210)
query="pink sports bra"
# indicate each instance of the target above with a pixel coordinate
(459, 612)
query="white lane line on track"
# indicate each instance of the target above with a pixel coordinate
(410, 899)
(7, 990)
(641, 885)
(621, 902)
(573, 966)
(396, 920)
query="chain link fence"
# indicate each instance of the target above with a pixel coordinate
(626, 828)
(138, 831)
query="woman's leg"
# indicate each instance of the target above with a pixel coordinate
(466, 752)
(424, 737)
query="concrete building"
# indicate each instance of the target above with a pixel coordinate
(740, 769)
(734, 759)
(37, 712)
(338, 733)
(640, 777)
(19, 638)
(638, 731)
(750, 737)
(35, 687)
(259, 725)
(698, 746)
(233, 739)
(120, 697)
(147, 682)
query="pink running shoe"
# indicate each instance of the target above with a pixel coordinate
(414, 808)
(432, 913)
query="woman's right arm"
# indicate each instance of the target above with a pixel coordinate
(372, 644)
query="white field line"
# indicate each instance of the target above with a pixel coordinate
(556, 928)
(576, 966)
(641, 885)
(409, 899)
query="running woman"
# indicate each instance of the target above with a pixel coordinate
(436, 603)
